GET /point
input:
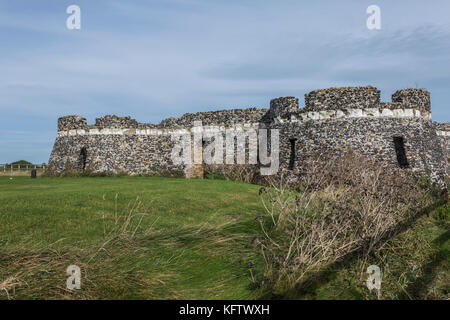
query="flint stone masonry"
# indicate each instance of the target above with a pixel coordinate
(222, 117)
(333, 121)
(413, 98)
(357, 113)
(71, 122)
(112, 121)
(283, 106)
(443, 133)
(342, 98)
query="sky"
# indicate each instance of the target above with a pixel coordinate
(153, 59)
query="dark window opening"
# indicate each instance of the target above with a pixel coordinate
(203, 150)
(83, 155)
(399, 144)
(293, 154)
(258, 162)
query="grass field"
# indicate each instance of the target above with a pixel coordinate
(155, 238)
(193, 242)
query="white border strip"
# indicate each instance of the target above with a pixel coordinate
(359, 113)
(148, 132)
(300, 117)
(443, 133)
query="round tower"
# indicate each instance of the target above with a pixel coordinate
(283, 106)
(72, 122)
(396, 134)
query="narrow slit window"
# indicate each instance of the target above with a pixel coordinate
(83, 155)
(399, 144)
(292, 158)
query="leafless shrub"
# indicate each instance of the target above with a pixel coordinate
(339, 207)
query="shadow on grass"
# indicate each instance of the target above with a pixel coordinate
(418, 288)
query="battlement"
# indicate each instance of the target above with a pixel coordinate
(413, 98)
(365, 98)
(116, 122)
(342, 98)
(332, 103)
(351, 102)
(72, 122)
(283, 106)
(220, 117)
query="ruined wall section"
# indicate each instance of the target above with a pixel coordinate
(113, 153)
(121, 144)
(352, 102)
(342, 98)
(373, 138)
(222, 117)
(443, 134)
(112, 145)
(338, 119)
(333, 121)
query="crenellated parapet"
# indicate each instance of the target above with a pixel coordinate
(112, 124)
(351, 102)
(72, 122)
(283, 106)
(116, 122)
(324, 104)
(342, 98)
(413, 99)
(219, 117)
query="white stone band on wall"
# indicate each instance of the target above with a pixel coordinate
(443, 133)
(148, 132)
(359, 113)
(300, 117)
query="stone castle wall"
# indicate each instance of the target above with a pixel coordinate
(333, 120)
(443, 134)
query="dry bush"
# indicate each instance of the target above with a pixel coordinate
(236, 172)
(339, 207)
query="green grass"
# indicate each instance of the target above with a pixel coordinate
(198, 246)
(195, 241)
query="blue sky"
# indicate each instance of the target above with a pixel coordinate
(160, 58)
